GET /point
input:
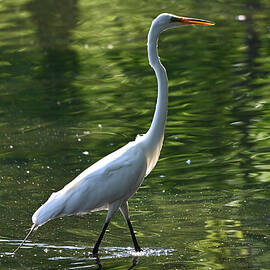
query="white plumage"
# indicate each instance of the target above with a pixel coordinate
(110, 182)
(97, 188)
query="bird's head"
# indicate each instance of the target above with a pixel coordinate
(166, 21)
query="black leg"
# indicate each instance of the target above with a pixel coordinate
(95, 250)
(136, 245)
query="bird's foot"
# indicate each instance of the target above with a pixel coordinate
(138, 249)
(95, 251)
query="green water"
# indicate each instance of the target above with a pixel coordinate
(75, 85)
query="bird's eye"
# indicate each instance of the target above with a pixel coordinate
(175, 19)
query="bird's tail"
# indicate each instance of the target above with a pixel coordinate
(31, 230)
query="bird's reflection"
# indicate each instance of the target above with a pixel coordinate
(134, 262)
(98, 262)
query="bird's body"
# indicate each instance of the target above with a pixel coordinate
(111, 181)
(97, 188)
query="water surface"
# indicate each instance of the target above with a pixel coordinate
(76, 85)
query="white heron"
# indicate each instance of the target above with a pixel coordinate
(111, 181)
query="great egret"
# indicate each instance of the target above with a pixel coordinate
(110, 182)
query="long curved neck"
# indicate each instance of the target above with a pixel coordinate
(156, 130)
(155, 134)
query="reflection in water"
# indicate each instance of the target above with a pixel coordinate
(80, 256)
(244, 111)
(58, 66)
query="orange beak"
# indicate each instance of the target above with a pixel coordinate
(185, 20)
